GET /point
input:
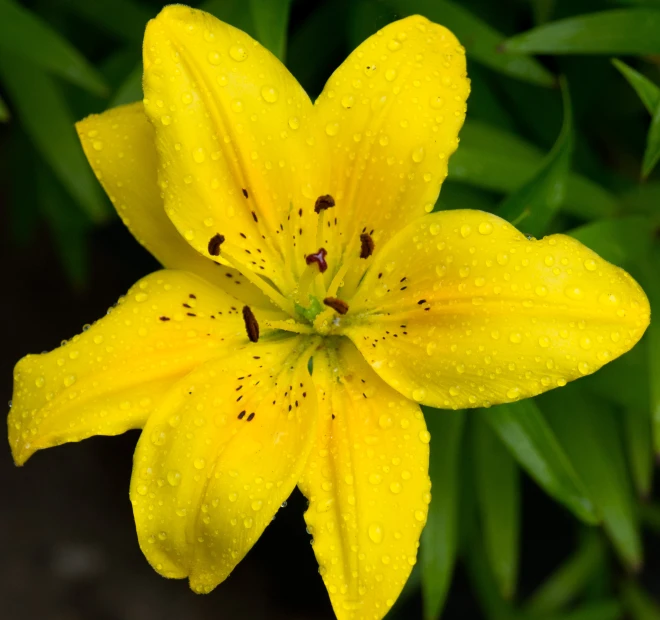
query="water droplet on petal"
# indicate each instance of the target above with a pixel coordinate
(375, 532)
(269, 94)
(238, 53)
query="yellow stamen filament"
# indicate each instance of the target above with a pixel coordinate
(290, 326)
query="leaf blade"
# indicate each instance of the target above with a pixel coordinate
(271, 20)
(617, 31)
(48, 121)
(25, 35)
(497, 484)
(533, 205)
(587, 431)
(524, 430)
(646, 90)
(440, 537)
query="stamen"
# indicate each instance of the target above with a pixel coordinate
(214, 244)
(323, 203)
(337, 280)
(318, 258)
(251, 325)
(290, 326)
(339, 305)
(367, 248)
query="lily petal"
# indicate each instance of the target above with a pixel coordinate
(239, 154)
(120, 147)
(367, 483)
(109, 378)
(392, 113)
(462, 310)
(218, 457)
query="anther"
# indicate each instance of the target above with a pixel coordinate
(367, 248)
(214, 244)
(339, 305)
(251, 325)
(318, 258)
(323, 203)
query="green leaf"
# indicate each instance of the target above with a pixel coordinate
(46, 118)
(622, 240)
(460, 196)
(481, 41)
(619, 31)
(472, 549)
(569, 580)
(497, 484)
(271, 20)
(480, 135)
(27, 36)
(650, 516)
(440, 537)
(652, 151)
(637, 438)
(649, 280)
(624, 381)
(4, 112)
(602, 610)
(638, 603)
(124, 18)
(647, 91)
(69, 228)
(533, 205)
(130, 89)
(587, 430)
(524, 430)
(479, 162)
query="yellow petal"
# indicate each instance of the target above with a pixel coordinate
(391, 113)
(462, 310)
(109, 378)
(367, 483)
(119, 145)
(218, 457)
(239, 155)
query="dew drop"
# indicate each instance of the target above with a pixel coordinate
(466, 231)
(332, 129)
(590, 264)
(214, 58)
(419, 394)
(238, 53)
(173, 477)
(294, 123)
(375, 532)
(269, 94)
(424, 436)
(418, 154)
(347, 101)
(257, 505)
(485, 228)
(198, 155)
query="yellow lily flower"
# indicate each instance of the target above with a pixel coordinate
(309, 303)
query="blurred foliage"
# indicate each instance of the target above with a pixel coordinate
(562, 135)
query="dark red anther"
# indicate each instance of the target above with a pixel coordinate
(318, 258)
